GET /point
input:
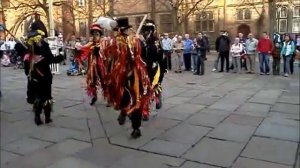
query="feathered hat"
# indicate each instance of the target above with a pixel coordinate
(37, 31)
(95, 27)
(149, 25)
(107, 23)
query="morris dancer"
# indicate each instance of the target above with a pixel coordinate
(131, 91)
(96, 70)
(153, 60)
(39, 73)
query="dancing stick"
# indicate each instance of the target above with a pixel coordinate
(13, 36)
(141, 25)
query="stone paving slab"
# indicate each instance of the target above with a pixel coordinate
(195, 165)
(215, 152)
(281, 129)
(54, 134)
(224, 106)
(284, 115)
(232, 132)
(206, 119)
(184, 133)
(70, 146)
(72, 162)
(7, 156)
(289, 99)
(26, 145)
(286, 108)
(266, 149)
(243, 120)
(204, 100)
(251, 163)
(166, 147)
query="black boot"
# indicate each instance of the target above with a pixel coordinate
(159, 102)
(37, 119)
(47, 112)
(122, 118)
(136, 133)
(93, 101)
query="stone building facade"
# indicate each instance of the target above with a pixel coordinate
(232, 15)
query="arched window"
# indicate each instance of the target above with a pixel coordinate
(281, 16)
(296, 19)
(204, 22)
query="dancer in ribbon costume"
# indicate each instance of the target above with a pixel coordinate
(39, 74)
(94, 52)
(127, 79)
(153, 60)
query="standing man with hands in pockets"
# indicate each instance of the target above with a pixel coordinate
(264, 48)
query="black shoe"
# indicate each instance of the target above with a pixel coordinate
(122, 119)
(93, 101)
(159, 103)
(136, 133)
(221, 71)
(38, 121)
(48, 120)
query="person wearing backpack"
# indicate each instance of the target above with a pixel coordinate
(223, 48)
(287, 52)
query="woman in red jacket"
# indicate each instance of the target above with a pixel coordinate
(264, 48)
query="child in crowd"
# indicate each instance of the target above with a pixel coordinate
(276, 59)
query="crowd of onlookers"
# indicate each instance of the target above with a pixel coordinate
(191, 53)
(242, 52)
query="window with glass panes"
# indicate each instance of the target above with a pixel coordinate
(204, 22)
(243, 14)
(296, 19)
(282, 15)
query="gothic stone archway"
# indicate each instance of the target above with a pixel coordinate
(245, 29)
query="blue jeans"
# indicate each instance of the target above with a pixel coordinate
(264, 61)
(286, 64)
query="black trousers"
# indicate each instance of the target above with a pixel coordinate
(292, 64)
(136, 119)
(201, 65)
(167, 59)
(187, 61)
(276, 66)
(224, 57)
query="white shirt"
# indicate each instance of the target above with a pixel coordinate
(236, 50)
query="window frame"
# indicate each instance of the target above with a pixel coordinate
(200, 20)
(286, 25)
(293, 21)
(81, 3)
(294, 16)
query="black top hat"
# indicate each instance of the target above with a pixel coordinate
(38, 25)
(123, 23)
(149, 25)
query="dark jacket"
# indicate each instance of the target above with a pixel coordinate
(41, 70)
(202, 46)
(223, 44)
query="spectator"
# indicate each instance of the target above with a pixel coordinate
(187, 50)
(207, 42)
(287, 52)
(251, 45)
(174, 39)
(167, 46)
(194, 54)
(264, 48)
(223, 48)
(236, 50)
(178, 51)
(276, 58)
(202, 48)
(243, 53)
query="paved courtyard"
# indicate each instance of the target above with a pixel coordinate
(212, 121)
